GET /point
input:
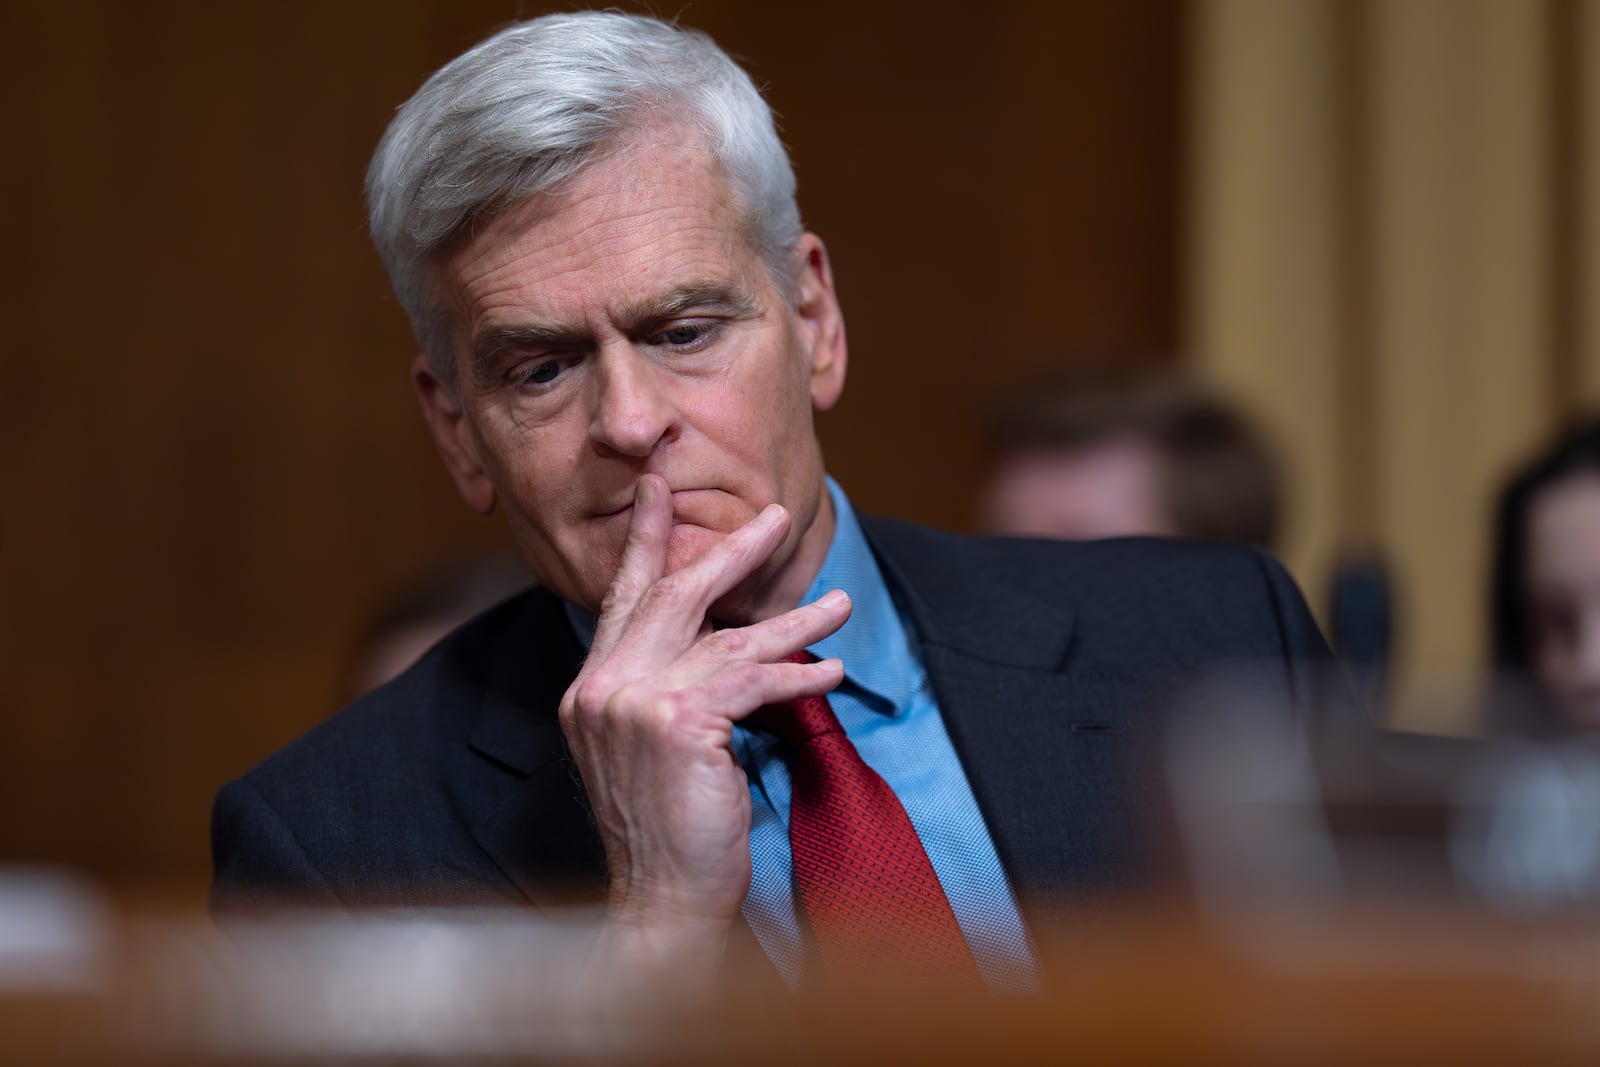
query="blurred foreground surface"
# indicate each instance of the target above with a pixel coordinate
(101, 982)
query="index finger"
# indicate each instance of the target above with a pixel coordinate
(644, 561)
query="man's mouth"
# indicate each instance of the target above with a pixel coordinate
(680, 497)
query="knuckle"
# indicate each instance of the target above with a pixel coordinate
(616, 593)
(585, 698)
(746, 675)
(672, 588)
(576, 724)
(623, 589)
(650, 709)
(665, 709)
(732, 642)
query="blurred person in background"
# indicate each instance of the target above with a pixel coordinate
(416, 614)
(626, 336)
(1546, 580)
(1103, 453)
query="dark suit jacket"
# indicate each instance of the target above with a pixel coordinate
(452, 783)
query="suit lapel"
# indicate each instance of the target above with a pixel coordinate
(1043, 738)
(524, 802)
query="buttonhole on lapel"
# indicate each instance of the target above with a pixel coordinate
(1095, 728)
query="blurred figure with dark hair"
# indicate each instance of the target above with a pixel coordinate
(414, 616)
(1547, 578)
(1103, 454)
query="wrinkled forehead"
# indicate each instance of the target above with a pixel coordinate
(662, 162)
(647, 233)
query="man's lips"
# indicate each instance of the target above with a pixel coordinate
(679, 497)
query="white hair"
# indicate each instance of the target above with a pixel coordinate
(530, 107)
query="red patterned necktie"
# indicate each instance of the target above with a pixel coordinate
(871, 897)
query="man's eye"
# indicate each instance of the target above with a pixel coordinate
(686, 335)
(543, 373)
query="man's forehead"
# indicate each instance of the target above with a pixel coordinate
(638, 281)
(657, 161)
(633, 229)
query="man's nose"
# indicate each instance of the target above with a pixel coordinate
(633, 409)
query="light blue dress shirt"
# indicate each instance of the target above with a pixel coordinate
(887, 708)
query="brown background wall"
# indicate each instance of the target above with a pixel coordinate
(211, 460)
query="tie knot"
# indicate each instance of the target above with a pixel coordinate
(800, 721)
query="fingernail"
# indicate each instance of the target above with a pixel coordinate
(833, 598)
(644, 493)
(769, 515)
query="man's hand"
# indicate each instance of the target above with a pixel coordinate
(650, 720)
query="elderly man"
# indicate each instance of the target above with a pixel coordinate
(732, 704)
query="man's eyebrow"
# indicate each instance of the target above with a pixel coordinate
(725, 297)
(491, 346)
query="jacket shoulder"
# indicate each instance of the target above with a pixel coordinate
(408, 721)
(381, 799)
(1193, 599)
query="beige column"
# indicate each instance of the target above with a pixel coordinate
(1460, 276)
(1262, 277)
(1587, 284)
(1371, 270)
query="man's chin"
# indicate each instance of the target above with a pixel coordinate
(687, 544)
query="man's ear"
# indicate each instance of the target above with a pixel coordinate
(816, 308)
(452, 434)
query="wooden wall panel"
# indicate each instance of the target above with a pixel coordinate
(211, 460)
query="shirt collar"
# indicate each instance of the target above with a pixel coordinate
(875, 644)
